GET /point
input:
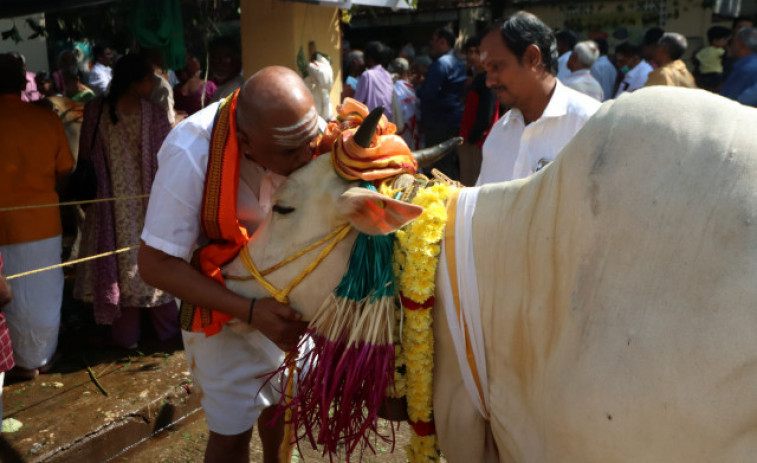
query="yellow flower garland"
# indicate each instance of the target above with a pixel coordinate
(416, 257)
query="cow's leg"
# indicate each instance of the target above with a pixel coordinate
(464, 436)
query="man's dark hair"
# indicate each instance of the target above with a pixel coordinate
(652, 36)
(12, 76)
(568, 38)
(523, 29)
(474, 41)
(604, 48)
(717, 32)
(446, 34)
(374, 51)
(99, 49)
(387, 56)
(628, 49)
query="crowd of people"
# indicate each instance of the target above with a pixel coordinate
(111, 116)
(516, 94)
(440, 88)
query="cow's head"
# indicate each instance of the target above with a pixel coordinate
(312, 202)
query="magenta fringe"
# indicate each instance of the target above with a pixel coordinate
(338, 395)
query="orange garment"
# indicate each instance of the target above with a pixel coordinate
(33, 151)
(388, 154)
(673, 74)
(218, 216)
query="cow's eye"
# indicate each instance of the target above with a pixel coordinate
(282, 209)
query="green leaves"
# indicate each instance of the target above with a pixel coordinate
(12, 33)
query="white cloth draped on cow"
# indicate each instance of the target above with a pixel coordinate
(468, 316)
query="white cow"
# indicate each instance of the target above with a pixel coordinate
(617, 289)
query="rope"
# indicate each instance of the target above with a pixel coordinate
(282, 295)
(71, 262)
(289, 259)
(73, 203)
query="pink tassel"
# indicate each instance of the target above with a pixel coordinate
(339, 395)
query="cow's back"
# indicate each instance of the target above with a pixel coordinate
(617, 288)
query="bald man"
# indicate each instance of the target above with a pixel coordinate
(257, 136)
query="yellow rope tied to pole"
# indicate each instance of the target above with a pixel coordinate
(73, 203)
(282, 296)
(71, 262)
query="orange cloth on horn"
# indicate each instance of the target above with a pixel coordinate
(387, 156)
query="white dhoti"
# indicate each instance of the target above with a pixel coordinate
(34, 313)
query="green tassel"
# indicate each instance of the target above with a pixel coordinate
(369, 273)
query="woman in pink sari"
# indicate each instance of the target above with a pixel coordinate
(121, 133)
(192, 93)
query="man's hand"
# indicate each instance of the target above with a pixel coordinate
(278, 322)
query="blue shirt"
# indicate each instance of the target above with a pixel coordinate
(441, 92)
(743, 76)
(749, 96)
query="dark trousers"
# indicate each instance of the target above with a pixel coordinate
(435, 134)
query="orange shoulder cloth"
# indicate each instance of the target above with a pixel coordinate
(218, 216)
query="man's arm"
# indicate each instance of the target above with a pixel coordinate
(279, 323)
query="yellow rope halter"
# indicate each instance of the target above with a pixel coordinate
(282, 295)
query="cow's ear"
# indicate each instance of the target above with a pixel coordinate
(373, 213)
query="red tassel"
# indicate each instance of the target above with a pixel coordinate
(423, 428)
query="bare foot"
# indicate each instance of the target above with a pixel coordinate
(21, 374)
(49, 365)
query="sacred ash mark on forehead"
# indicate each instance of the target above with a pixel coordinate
(483, 55)
(297, 134)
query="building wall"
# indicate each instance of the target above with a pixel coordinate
(34, 50)
(273, 32)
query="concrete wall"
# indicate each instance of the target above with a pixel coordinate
(273, 32)
(34, 50)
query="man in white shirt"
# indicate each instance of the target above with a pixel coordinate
(636, 69)
(101, 73)
(584, 55)
(604, 71)
(566, 41)
(520, 60)
(273, 131)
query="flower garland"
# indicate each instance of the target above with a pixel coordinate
(416, 257)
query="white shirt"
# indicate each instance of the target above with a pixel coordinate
(513, 150)
(582, 81)
(99, 78)
(635, 78)
(605, 73)
(562, 65)
(172, 222)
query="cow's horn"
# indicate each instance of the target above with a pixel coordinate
(428, 156)
(364, 134)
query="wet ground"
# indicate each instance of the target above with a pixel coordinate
(103, 404)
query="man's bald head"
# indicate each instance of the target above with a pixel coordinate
(277, 123)
(276, 102)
